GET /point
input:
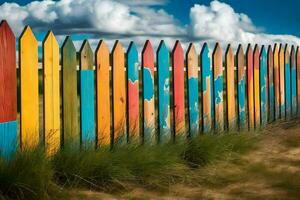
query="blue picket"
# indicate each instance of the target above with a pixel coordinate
(241, 87)
(293, 81)
(263, 85)
(287, 85)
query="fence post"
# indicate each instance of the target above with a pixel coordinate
(276, 82)
(87, 97)
(241, 86)
(256, 86)
(230, 89)
(281, 81)
(293, 81)
(178, 90)
(70, 103)
(119, 94)
(270, 67)
(298, 79)
(192, 90)
(217, 66)
(250, 87)
(8, 92)
(28, 50)
(103, 95)
(148, 93)
(163, 77)
(206, 89)
(51, 94)
(263, 86)
(133, 120)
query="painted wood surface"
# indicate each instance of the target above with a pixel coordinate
(271, 98)
(148, 93)
(119, 93)
(103, 114)
(51, 94)
(163, 89)
(298, 78)
(230, 89)
(287, 82)
(178, 89)
(256, 86)
(276, 82)
(206, 89)
(192, 90)
(8, 91)
(241, 87)
(217, 65)
(87, 97)
(28, 50)
(293, 81)
(70, 102)
(281, 81)
(133, 92)
(250, 87)
(263, 86)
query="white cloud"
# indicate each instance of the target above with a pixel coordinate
(139, 20)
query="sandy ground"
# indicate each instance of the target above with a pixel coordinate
(271, 171)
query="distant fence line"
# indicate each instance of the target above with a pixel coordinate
(257, 87)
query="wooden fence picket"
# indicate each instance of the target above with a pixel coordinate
(51, 94)
(276, 81)
(287, 83)
(241, 87)
(250, 87)
(271, 100)
(263, 86)
(217, 65)
(103, 95)
(163, 89)
(133, 120)
(256, 86)
(8, 92)
(192, 90)
(28, 50)
(298, 79)
(293, 81)
(119, 94)
(230, 89)
(87, 96)
(282, 81)
(148, 93)
(178, 89)
(206, 89)
(70, 103)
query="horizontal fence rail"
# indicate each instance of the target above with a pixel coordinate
(113, 99)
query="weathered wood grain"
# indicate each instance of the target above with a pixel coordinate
(276, 82)
(271, 102)
(250, 87)
(256, 86)
(293, 81)
(263, 86)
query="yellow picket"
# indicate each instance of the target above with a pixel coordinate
(51, 94)
(28, 51)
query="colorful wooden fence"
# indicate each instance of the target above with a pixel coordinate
(107, 98)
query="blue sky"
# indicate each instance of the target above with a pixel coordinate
(227, 21)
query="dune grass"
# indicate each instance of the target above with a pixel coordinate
(30, 175)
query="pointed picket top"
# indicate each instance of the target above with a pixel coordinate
(68, 46)
(132, 56)
(263, 51)
(286, 54)
(132, 49)
(270, 54)
(249, 51)
(229, 54)
(147, 49)
(256, 50)
(102, 48)
(204, 50)
(50, 40)
(177, 48)
(240, 51)
(4, 26)
(281, 49)
(192, 61)
(162, 48)
(27, 33)
(275, 50)
(117, 49)
(217, 51)
(86, 56)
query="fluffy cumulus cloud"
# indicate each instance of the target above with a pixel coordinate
(138, 20)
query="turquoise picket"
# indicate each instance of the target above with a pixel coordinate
(263, 85)
(293, 81)
(206, 89)
(87, 96)
(287, 76)
(163, 89)
(241, 87)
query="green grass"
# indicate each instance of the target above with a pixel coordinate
(30, 175)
